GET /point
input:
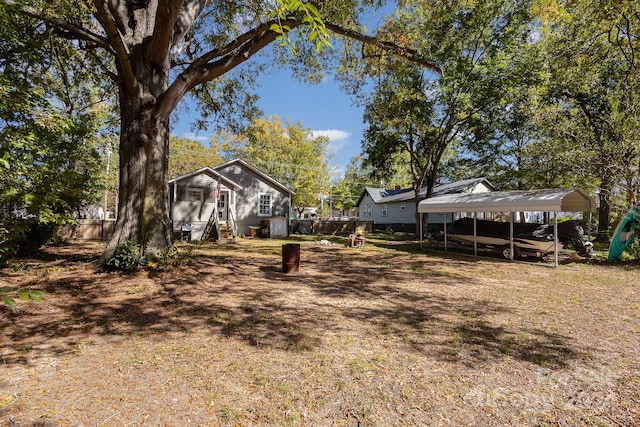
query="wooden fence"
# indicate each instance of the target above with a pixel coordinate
(320, 226)
(88, 229)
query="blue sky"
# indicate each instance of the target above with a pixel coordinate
(323, 108)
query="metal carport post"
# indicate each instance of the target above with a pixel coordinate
(475, 233)
(444, 214)
(511, 248)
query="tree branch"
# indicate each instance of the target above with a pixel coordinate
(78, 32)
(167, 15)
(190, 10)
(219, 61)
(235, 44)
(118, 12)
(230, 56)
(404, 52)
(105, 69)
(119, 48)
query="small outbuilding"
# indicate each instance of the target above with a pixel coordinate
(552, 200)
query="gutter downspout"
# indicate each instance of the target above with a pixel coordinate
(173, 204)
(289, 216)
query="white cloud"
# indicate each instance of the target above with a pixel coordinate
(196, 137)
(332, 134)
(338, 139)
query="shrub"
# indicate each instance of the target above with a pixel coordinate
(36, 235)
(173, 257)
(127, 257)
(633, 251)
(7, 248)
(22, 237)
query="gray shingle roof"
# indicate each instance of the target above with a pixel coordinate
(381, 195)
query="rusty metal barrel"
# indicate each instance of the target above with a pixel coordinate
(291, 257)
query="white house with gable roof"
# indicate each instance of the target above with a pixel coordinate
(396, 209)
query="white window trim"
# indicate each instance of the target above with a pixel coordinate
(403, 206)
(270, 204)
(195, 190)
(385, 209)
(368, 210)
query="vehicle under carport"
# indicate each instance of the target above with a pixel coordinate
(552, 200)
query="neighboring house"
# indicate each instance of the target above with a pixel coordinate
(396, 209)
(228, 199)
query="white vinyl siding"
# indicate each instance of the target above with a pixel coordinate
(264, 204)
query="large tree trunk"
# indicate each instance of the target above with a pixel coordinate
(143, 210)
(418, 184)
(143, 205)
(606, 187)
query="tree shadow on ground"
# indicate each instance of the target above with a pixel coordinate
(388, 297)
(60, 254)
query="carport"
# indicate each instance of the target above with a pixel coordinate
(547, 200)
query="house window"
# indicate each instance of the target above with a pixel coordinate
(367, 210)
(403, 206)
(194, 195)
(385, 209)
(264, 204)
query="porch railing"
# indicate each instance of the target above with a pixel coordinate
(213, 222)
(234, 224)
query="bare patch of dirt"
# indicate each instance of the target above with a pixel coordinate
(375, 337)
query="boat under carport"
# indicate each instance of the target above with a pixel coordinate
(551, 200)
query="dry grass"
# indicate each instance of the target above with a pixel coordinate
(375, 337)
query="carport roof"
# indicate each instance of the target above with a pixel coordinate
(547, 200)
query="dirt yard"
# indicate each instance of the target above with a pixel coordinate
(375, 337)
